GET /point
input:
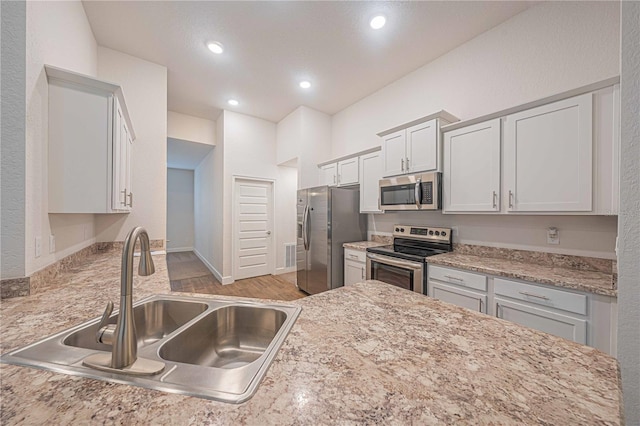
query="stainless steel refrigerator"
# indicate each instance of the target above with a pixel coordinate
(327, 218)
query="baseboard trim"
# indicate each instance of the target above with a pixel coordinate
(280, 271)
(214, 271)
(179, 249)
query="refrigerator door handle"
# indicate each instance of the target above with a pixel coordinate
(305, 227)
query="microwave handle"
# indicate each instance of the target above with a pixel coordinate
(418, 192)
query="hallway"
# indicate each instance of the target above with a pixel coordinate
(188, 274)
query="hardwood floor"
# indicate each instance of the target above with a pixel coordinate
(188, 274)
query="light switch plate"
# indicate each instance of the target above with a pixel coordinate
(553, 236)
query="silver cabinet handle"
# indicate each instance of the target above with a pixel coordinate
(454, 278)
(353, 256)
(124, 191)
(407, 163)
(268, 232)
(479, 305)
(334, 179)
(510, 199)
(130, 200)
(497, 310)
(362, 274)
(524, 293)
(402, 164)
(495, 199)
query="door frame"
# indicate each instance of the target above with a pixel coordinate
(272, 212)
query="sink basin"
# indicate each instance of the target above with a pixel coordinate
(153, 320)
(212, 348)
(229, 337)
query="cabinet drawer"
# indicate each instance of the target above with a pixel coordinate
(355, 255)
(454, 276)
(557, 299)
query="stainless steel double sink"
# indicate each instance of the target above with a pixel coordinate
(212, 348)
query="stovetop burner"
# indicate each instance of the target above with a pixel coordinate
(416, 243)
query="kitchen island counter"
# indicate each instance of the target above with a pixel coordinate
(366, 353)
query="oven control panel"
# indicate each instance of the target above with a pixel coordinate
(422, 232)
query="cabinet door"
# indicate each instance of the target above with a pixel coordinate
(329, 174)
(394, 154)
(353, 272)
(119, 163)
(458, 296)
(348, 172)
(543, 320)
(548, 157)
(422, 147)
(370, 175)
(128, 180)
(472, 168)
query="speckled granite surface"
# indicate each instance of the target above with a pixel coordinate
(364, 354)
(363, 245)
(578, 279)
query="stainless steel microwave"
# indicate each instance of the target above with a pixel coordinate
(411, 192)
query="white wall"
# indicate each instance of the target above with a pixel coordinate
(145, 89)
(189, 128)
(180, 213)
(285, 220)
(629, 248)
(58, 33)
(13, 129)
(304, 134)
(549, 48)
(593, 236)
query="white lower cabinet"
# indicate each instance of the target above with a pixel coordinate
(570, 328)
(354, 266)
(458, 296)
(585, 318)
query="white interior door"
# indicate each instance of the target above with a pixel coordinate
(253, 228)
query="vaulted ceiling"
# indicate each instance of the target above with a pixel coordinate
(269, 47)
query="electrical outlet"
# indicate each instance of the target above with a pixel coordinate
(553, 236)
(38, 246)
(52, 243)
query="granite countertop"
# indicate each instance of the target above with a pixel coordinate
(590, 281)
(366, 353)
(363, 245)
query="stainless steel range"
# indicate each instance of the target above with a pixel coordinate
(403, 263)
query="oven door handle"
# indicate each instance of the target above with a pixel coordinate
(394, 262)
(417, 192)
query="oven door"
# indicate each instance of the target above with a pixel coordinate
(399, 272)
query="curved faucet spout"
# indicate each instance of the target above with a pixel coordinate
(122, 337)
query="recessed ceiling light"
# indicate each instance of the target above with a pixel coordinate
(215, 47)
(233, 102)
(305, 84)
(378, 22)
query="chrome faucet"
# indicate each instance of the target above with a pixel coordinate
(122, 336)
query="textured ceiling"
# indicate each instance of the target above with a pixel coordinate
(271, 46)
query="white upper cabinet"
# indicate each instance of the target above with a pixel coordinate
(329, 174)
(559, 156)
(348, 172)
(422, 147)
(90, 137)
(548, 157)
(414, 147)
(395, 153)
(370, 175)
(472, 168)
